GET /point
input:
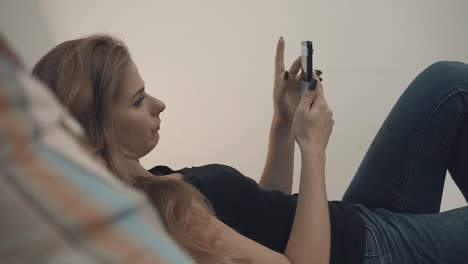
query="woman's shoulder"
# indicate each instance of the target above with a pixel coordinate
(207, 176)
(218, 168)
(161, 170)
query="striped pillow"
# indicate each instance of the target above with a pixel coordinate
(58, 204)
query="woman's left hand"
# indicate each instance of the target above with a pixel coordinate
(287, 86)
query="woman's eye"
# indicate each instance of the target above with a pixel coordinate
(139, 102)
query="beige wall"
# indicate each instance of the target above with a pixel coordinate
(211, 62)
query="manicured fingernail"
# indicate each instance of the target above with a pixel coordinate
(286, 75)
(312, 85)
(320, 78)
(318, 72)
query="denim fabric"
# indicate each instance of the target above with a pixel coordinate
(415, 238)
(398, 186)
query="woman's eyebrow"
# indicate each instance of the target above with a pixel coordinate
(138, 92)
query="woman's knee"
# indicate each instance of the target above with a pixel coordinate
(447, 72)
(441, 67)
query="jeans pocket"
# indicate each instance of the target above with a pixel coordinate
(373, 251)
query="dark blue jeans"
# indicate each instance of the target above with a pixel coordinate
(398, 187)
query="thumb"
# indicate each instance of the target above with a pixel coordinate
(309, 95)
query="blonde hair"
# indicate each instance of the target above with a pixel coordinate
(85, 75)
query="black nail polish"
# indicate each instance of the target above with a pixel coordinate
(318, 72)
(320, 78)
(286, 75)
(312, 85)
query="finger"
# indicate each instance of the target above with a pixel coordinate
(319, 72)
(319, 86)
(284, 84)
(295, 67)
(302, 76)
(279, 58)
(309, 96)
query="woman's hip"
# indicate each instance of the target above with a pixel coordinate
(415, 238)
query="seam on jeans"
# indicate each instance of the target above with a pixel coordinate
(376, 241)
(429, 116)
(376, 212)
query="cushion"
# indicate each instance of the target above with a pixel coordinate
(58, 203)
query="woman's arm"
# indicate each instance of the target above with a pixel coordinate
(310, 237)
(278, 171)
(279, 166)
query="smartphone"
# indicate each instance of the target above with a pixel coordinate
(307, 50)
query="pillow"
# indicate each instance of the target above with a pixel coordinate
(59, 204)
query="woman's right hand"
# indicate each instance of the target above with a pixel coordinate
(313, 120)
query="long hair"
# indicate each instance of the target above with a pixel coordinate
(85, 74)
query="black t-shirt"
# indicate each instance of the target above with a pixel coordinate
(267, 216)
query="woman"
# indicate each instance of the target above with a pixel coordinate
(389, 214)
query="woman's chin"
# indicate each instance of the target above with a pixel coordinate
(153, 144)
(145, 150)
(156, 141)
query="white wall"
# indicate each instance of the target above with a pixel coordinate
(211, 62)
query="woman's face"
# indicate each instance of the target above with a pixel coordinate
(135, 116)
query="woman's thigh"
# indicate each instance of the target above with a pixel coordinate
(404, 169)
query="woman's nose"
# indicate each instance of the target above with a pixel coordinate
(163, 106)
(158, 106)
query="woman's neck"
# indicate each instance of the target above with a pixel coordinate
(136, 169)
